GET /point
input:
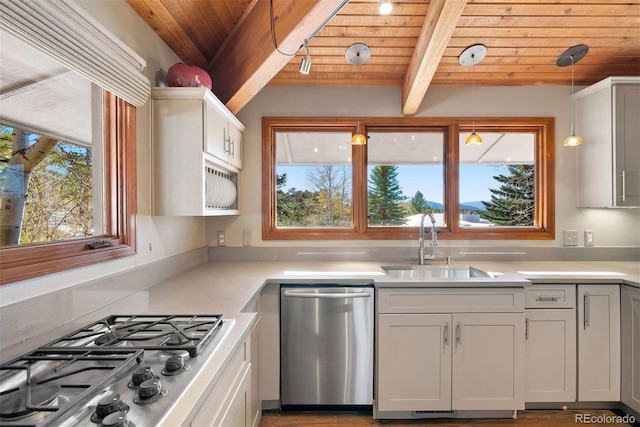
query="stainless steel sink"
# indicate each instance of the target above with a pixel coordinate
(433, 272)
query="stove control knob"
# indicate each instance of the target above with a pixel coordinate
(141, 374)
(117, 419)
(173, 365)
(149, 389)
(108, 405)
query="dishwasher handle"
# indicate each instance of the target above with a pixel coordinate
(331, 295)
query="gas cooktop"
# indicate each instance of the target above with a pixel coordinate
(122, 370)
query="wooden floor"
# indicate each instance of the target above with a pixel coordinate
(534, 418)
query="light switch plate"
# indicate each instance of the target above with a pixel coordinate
(570, 238)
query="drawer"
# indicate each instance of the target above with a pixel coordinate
(439, 300)
(550, 296)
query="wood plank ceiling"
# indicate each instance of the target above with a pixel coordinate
(233, 40)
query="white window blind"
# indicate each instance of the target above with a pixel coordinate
(67, 33)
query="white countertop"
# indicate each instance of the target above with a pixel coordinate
(227, 287)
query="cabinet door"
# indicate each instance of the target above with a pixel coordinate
(414, 362)
(256, 402)
(235, 146)
(550, 352)
(626, 136)
(488, 361)
(631, 347)
(216, 141)
(598, 343)
(238, 412)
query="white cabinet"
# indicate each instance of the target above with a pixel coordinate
(606, 117)
(550, 343)
(465, 359)
(630, 310)
(598, 343)
(227, 402)
(196, 153)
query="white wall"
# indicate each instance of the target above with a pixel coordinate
(612, 227)
(157, 237)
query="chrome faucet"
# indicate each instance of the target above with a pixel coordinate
(434, 237)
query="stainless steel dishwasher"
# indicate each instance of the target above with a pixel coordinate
(326, 339)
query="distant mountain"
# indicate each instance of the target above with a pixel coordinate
(435, 205)
(472, 206)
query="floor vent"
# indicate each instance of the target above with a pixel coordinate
(432, 414)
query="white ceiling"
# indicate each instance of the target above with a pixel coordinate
(42, 96)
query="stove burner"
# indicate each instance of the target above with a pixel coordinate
(22, 402)
(174, 365)
(117, 419)
(108, 405)
(149, 391)
(179, 338)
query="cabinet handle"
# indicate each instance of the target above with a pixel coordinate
(547, 298)
(446, 333)
(587, 309)
(624, 187)
(458, 333)
(227, 139)
(232, 147)
(526, 328)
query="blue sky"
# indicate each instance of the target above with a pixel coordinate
(476, 180)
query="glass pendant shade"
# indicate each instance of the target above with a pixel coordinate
(572, 141)
(358, 139)
(473, 139)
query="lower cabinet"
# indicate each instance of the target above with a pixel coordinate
(256, 402)
(461, 361)
(630, 312)
(598, 343)
(228, 403)
(550, 343)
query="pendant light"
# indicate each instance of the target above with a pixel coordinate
(385, 7)
(470, 57)
(358, 54)
(566, 58)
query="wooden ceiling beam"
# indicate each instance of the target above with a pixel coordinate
(248, 59)
(439, 24)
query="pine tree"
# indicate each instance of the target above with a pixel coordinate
(418, 204)
(385, 197)
(513, 203)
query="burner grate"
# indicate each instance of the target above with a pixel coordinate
(149, 332)
(41, 386)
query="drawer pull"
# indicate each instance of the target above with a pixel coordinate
(458, 333)
(547, 298)
(446, 333)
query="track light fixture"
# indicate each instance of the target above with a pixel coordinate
(385, 7)
(570, 57)
(305, 64)
(470, 57)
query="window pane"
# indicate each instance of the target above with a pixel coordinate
(497, 180)
(50, 128)
(54, 201)
(313, 179)
(405, 176)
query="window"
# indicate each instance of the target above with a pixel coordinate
(21, 262)
(502, 189)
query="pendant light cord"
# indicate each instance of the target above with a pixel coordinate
(473, 92)
(572, 109)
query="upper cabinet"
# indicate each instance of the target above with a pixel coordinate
(196, 153)
(608, 120)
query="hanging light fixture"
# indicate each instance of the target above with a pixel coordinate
(385, 7)
(566, 58)
(470, 57)
(357, 54)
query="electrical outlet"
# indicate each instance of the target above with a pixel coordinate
(570, 238)
(588, 238)
(246, 237)
(222, 238)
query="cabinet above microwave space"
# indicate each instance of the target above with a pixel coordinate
(608, 119)
(196, 153)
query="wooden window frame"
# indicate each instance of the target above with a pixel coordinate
(23, 262)
(543, 127)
